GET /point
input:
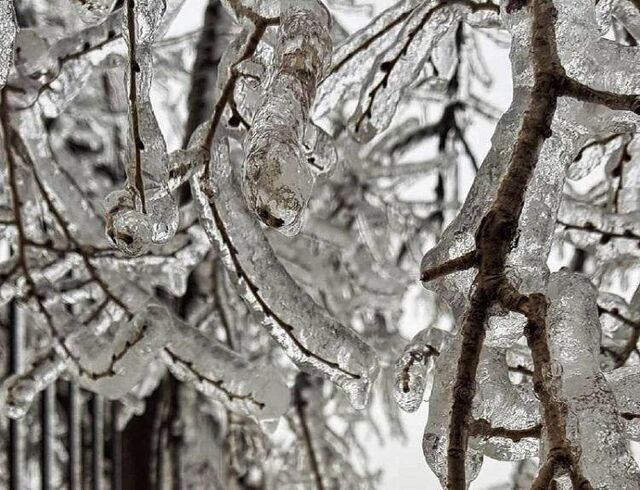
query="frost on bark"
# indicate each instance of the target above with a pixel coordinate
(213, 242)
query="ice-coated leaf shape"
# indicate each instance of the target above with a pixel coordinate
(413, 368)
(592, 423)
(8, 31)
(277, 180)
(312, 339)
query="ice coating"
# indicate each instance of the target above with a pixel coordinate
(277, 180)
(115, 363)
(502, 404)
(351, 63)
(573, 125)
(592, 422)
(251, 388)
(20, 390)
(313, 340)
(399, 64)
(8, 31)
(625, 385)
(436, 433)
(145, 212)
(93, 10)
(414, 366)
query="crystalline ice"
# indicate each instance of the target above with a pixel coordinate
(8, 30)
(93, 10)
(277, 180)
(129, 229)
(505, 405)
(20, 390)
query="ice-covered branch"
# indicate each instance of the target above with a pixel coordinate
(310, 338)
(277, 180)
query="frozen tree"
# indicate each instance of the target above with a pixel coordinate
(210, 242)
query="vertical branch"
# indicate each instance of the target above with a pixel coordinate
(48, 423)
(97, 440)
(116, 449)
(17, 443)
(134, 71)
(302, 383)
(75, 437)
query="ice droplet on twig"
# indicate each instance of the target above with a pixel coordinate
(277, 180)
(414, 366)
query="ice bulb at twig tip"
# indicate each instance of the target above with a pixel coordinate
(128, 229)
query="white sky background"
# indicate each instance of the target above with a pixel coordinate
(403, 464)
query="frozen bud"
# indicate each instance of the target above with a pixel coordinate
(129, 230)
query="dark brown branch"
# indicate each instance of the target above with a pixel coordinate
(302, 383)
(464, 262)
(482, 427)
(579, 91)
(498, 228)
(134, 74)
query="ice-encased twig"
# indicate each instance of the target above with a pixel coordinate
(575, 380)
(277, 180)
(396, 67)
(573, 125)
(135, 219)
(414, 366)
(113, 363)
(244, 387)
(313, 340)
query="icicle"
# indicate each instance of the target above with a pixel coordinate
(277, 180)
(309, 337)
